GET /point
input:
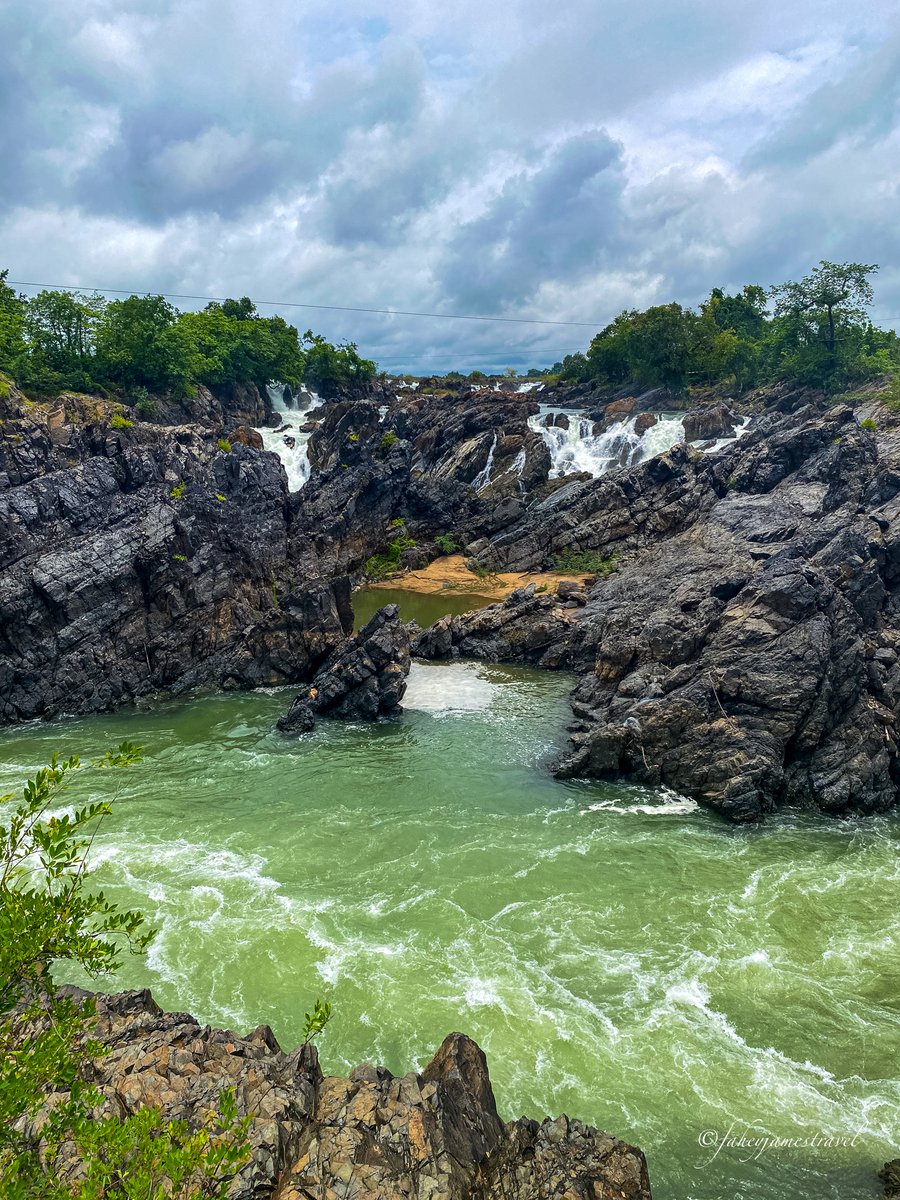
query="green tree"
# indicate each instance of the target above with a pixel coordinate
(12, 325)
(819, 320)
(50, 916)
(140, 343)
(329, 369)
(660, 343)
(60, 331)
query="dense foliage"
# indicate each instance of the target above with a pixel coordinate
(48, 916)
(143, 344)
(817, 332)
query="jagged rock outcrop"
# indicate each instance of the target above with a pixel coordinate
(890, 1178)
(705, 424)
(364, 679)
(143, 559)
(434, 1135)
(745, 650)
(527, 626)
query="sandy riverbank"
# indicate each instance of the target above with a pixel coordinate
(451, 576)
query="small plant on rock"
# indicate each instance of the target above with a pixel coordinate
(316, 1021)
(178, 491)
(868, 424)
(387, 440)
(117, 421)
(224, 445)
(446, 544)
(584, 562)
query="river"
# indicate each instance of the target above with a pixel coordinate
(621, 955)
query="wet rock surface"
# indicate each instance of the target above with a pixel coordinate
(363, 680)
(144, 559)
(429, 1135)
(743, 647)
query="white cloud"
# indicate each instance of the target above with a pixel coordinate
(560, 162)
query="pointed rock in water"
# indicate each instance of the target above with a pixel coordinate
(424, 1136)
(363, 680)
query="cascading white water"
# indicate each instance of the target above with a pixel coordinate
(577, 448)
(286, 440)
(484, 477)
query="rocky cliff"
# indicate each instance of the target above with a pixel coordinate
(146, 558)
(741, 645)
(433, 1134)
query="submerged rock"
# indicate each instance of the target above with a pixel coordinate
(363, 680)
(433, 1135)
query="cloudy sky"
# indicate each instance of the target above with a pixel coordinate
(516, 158)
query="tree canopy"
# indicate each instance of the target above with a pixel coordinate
(818, 332)
(59, 339)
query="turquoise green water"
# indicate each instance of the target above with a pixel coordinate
(421, 607)
(622, 957)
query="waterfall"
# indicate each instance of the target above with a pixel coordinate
(286, 441)
(578, 449)
(483, 478)
(721, 443)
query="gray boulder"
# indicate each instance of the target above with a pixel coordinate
(363, 680)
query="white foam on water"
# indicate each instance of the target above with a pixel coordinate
(483, 478)
(670, 804)
(444, 690)
(578, 449)
(295, 458)
(721, 443)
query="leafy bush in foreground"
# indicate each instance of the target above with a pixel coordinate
(48, 915)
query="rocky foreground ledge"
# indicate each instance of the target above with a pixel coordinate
(432, 1135)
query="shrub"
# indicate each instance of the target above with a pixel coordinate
(584, 562)
(177, 491)
(49, 914)
(117, 421)
(446, 544)
(387, 440)
(224, 445)
(380, 565)
(869, 424)
(892, 395)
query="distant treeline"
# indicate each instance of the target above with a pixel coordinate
(815, 331)
(59, 340)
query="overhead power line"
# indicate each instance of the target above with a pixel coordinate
(390, 312)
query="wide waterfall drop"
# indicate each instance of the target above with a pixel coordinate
(286, 440)
(575, 447)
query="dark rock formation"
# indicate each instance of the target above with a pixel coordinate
(146, 559)
(746, 650)
(528, 626)
(315, 1137)
(890, 1178)
(364, 679)
(703, 424)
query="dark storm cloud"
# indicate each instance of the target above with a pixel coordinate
(561, 220)
(558, 162)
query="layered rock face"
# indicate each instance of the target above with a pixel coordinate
(144, 559)
(745, 650)
(430, 1135)
(363, 680)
